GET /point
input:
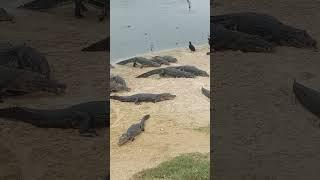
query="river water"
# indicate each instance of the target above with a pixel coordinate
(142, 26)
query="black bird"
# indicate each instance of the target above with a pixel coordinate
(191, 47)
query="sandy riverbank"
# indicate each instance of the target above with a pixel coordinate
(34, 153)
(173, 127)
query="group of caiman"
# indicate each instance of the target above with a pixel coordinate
(118, 84)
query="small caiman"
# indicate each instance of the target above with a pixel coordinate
(133, 131)
(167, 72)
(144, 97)
(144, 62)
(85, 116)
(192, 70)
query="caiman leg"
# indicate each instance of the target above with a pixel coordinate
(77, 11)
(136, 101)
(85, 124)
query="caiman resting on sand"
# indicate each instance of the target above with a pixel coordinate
(4, 16)
(191, 69)
(205, 92)
(24, 57)
(18, 81)
(85, 116)
(133, 131)
(224, 39)
(144, 62)
(144, 97)
(164, 59)
(308, 97)
(102, 45)
(167, 72)
(267, 27)
(118, 84)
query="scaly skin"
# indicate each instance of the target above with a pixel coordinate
(102, 45)
(18, 81)
(144, 97)
(225, 39)
(140, 60)
(85, 116)
(160, 60)
(117, 84)
(308, 97)
(267, 27)
(24, 57)
(133, 131)
(205, 92)
(191, 69)
(167, 72)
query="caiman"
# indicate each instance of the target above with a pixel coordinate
(102, 45)
(133, 131)
(267, 27)
(167, 72)
(118, 84)
(191, 69)
(205, 92)
(144, 97)
(309, 98)
(4, 16)
(144, 62)
(226, 39)
(85, 116)
(160, 60)
(24, 57)
(18, 81)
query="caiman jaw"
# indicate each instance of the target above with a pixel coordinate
(123, 139)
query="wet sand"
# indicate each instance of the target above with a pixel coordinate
(260, 131)
(173, 127)
(31, 153)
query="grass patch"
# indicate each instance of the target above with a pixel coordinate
(191, 166)
(203, 129)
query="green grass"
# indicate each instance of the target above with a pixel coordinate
(192, 166)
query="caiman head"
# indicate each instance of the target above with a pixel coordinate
(300, 39)
(166, 96)
(123, 139)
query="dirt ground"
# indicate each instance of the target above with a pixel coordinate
(31, 153)
(174, 126)
(260, 132)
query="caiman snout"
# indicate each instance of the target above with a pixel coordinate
(167, 96)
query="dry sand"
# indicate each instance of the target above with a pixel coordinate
(31, 153)
(259, 131)
(173, 126)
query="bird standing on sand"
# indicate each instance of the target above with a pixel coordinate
(191, 47)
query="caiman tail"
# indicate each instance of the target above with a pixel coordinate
(308, 97)
(15, 113)
(125, 61)
(150, 73)
(102, 45)
(146, 117)
(119, 98)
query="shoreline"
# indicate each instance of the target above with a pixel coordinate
(174, 125)
(113, 62)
